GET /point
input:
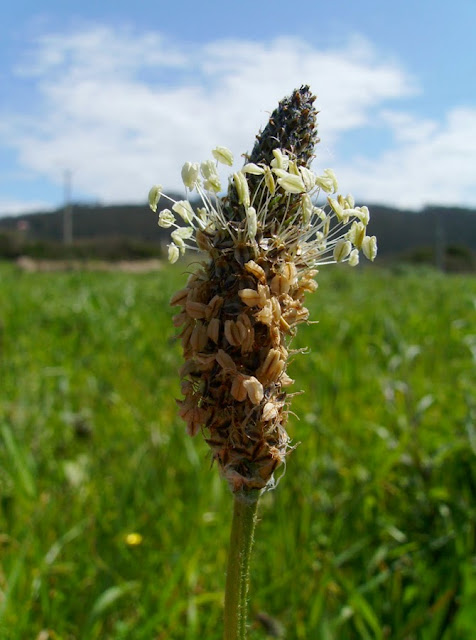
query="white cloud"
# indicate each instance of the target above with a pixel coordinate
(96, 51)
(432, 163)
(123, 110)
(10, 207)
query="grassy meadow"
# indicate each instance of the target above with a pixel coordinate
(371, 533)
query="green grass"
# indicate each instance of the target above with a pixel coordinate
(370, 534)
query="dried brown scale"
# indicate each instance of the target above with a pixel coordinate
(238, 356)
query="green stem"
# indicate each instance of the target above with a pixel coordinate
(238, 573)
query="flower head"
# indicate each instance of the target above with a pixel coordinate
(264, 240)
(133, 539)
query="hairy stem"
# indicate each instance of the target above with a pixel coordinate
(238, 576)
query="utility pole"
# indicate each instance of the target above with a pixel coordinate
(440, 240)
(68, 210)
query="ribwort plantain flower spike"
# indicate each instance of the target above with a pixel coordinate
(264, 240)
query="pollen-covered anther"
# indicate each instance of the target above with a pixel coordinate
(196, 310)
(154, 196)
(242, 189)
(252, 223)
(308, 178)
(342, 250)
(280, 159)
(173, 253)
(223, 155)
(252, 168)
(271, 368)
(190, 174)
(184, 209)
(356, 234)
(369, 247)
(354, 258)
(289, 182)
(209, 172)
(363, 214)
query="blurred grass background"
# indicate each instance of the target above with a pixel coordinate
(370, 534)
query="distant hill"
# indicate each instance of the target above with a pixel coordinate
(398, 231)
(90, 221)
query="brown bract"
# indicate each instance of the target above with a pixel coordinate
(234, 342)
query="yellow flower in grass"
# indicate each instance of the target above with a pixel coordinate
(133, 539)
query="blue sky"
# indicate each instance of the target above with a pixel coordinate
(122, 93)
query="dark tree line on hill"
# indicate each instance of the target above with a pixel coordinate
(434, 229)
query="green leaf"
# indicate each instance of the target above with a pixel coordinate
(109, 597)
